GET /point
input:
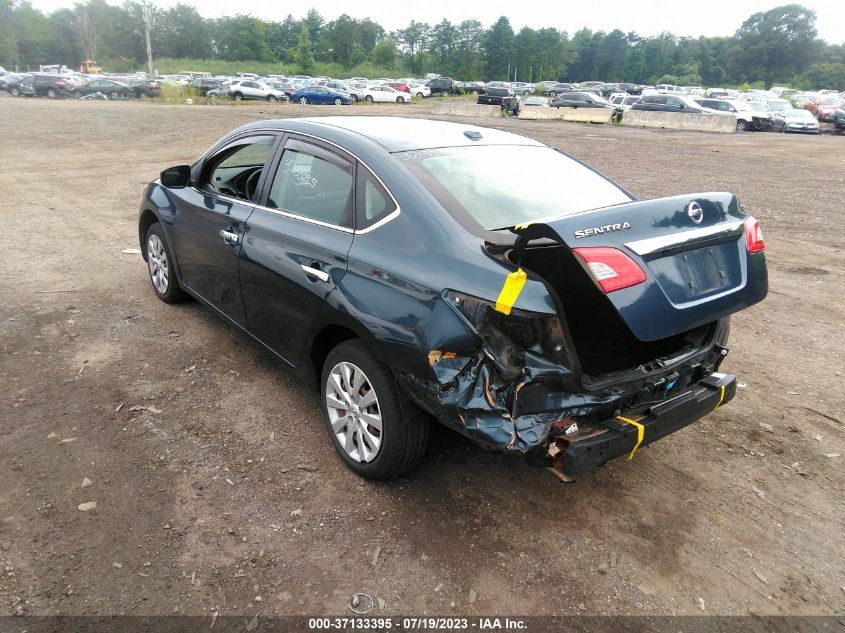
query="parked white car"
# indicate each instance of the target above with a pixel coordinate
(419, 90)
(249, 89)
(385, 94)
(624, 101)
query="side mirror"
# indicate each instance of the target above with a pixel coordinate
(177, 177)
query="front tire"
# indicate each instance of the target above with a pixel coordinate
(741, 125)
(52, 94)
(271, 98)
(160, 263)
(338, 101)
(400, 99)
(376, 431)
(15, 92)
(420, 95)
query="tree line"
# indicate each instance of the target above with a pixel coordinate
(775, 46)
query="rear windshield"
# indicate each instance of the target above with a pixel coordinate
(499, 186)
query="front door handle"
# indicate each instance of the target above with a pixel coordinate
(229, 236)
(314, 272)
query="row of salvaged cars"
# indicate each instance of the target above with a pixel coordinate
(754, 110)
(246, 86)
(780, 109)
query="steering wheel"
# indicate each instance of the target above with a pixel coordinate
(251, 182)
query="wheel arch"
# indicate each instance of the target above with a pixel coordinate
(147, 218)
(327, 335)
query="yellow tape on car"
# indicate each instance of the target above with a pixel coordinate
(721, 398)
(640, 433)
(510, 291)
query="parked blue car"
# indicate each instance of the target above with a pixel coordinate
(321, 94)
(417, 270)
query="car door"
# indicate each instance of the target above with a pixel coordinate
(250, 90)
(210, 217)
(296, 243)
(673, 104)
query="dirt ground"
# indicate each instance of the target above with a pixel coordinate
(225, 494)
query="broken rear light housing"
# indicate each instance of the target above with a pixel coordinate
(527, 330)
(610, 268)
(754, 235)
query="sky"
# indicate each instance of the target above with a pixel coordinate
(714, 17)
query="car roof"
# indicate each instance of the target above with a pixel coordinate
(399, 134)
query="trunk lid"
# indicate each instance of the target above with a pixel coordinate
(692, 249)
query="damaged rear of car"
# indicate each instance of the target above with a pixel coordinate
(416, 269)
(612, 314)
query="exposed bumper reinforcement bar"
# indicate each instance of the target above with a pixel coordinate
(621, 436)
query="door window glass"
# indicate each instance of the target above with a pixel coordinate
(374, 202)
(314, 184)
(235, 170)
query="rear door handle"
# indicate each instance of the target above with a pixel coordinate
(229, 236)
(314, 272)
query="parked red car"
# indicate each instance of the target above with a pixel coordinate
(824, 107)
(399, 86)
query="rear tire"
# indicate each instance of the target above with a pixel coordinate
(303, 100)
(161, 265)
(52, 93)
(368, 98)
(405, 429)
(238, 96)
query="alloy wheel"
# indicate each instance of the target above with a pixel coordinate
(354, 412)
(157, 260)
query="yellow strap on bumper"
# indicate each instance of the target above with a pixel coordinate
(640, 433)
(721, 398)
(510, 291)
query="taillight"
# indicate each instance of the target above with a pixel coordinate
(611, 268)
(753, 235)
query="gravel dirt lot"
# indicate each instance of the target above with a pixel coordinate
(225, 494)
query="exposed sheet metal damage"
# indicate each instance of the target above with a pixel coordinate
(529, 400)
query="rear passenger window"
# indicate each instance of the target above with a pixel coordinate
(374, 203)
(314, 184)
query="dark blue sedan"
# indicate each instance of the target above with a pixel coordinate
(321, 95)
(415, 270)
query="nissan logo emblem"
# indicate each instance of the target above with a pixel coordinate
(695, 212)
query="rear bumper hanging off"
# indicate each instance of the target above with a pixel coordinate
(623, 435)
